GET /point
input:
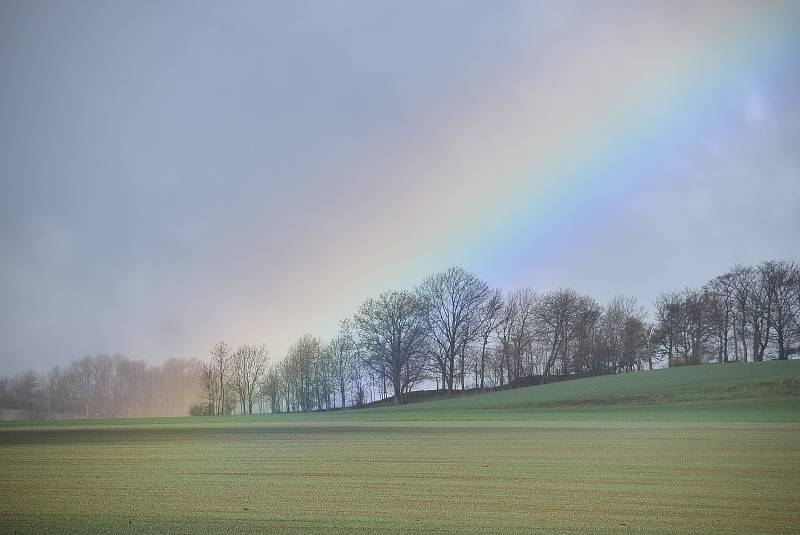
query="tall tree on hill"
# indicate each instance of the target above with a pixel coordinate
(759, 308)
(669, 321)
(698, 325)
(557, 316)
(743, 280)
(722, 313)
(491, 315)
(782, 283)
(520, 322)
(454, 300)
(391, 332)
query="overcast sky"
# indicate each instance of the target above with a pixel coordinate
(177, 173)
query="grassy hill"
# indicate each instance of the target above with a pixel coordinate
(691, 383)
(716, 391)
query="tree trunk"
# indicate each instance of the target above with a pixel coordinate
(463, 371)
(483, 361)
(743, 335)
(452, 362)
(781, 346)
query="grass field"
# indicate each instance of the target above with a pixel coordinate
(703, 449)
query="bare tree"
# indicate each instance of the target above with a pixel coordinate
(391, 331)
(782, 283)
(759, 309)
(454, 300)
(300, 370)
(221, 362)
(557, 319)
(343, 362)
(722, 313)
(270, 388)
(248, 364)
(669, 321)
(743, 280)
(208, 388)
(491, 316)
(520, 322)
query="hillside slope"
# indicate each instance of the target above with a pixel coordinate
(759, 380)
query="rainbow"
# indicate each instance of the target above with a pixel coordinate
(574, 178)
(503, 186)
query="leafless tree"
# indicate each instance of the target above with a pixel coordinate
(743, 280)
(454, 300)
(300, 369)
(221, 362)
(520, 321)
(722, 313)
(491, 316)
(759, 309)
(669, 323)
(208, 387)
(343, 360)
(248, 364)
(270, 388)
(557, 319)
(392, 334)
(781, 282)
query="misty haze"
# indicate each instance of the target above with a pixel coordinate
(349, 266)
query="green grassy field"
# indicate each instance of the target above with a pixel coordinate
(703, 449)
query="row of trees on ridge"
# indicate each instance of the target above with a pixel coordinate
(453, 332)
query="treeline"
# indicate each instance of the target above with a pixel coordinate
(103, 386)
(454, 331)
(457, 332)
(748, 313)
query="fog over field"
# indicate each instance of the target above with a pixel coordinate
(177, 173)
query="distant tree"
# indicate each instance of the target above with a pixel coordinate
(209, 388)
(516, 332)
(490, 318)
(343, 361)
(300, 371)
(248, 365)
(321, 381)
(781, 282)
(759, 310)
(199, 409)
(669, 323)
(721, 312)
(743, 281)
(360, 398)
(221, 363)
(5, 392)
(26, 391)
(453, 302)
(391, 331)
(586, 355)
(271, 388)
(558, 316)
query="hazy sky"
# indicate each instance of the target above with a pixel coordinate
(175, 173)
